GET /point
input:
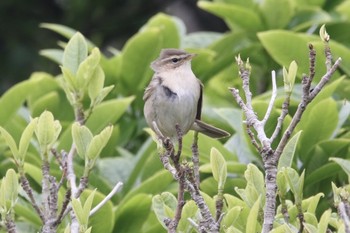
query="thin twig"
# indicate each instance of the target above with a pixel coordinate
(28, 190)
(195, 158)
(65, 205)
(116, 188)
(10, 224)
(284, 113)
(70, 170)
(272, 99)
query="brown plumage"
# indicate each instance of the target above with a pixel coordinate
(174, 96)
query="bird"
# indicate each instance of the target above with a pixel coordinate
(174, 97)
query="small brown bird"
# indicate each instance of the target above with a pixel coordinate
(174, 96)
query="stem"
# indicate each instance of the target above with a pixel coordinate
(116, 188)
(10, 224)
(28, 190)
(270, 164)
(195, 158)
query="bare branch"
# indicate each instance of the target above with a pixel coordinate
(344, 216)
(195, 158)
(70, 170)
(324, 80)
(281, 118)
(272, 99)
(116, 188)
(26, 187)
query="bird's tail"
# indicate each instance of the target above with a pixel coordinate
(209, 130)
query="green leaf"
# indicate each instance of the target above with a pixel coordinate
(14, 98)
(64, 31)
(10, 143)
(25, 139)
(135, 210)
(277, 18)
(82, 137)
(55, 55)
(3, 198)
(98, 221)
(70, 79)
(282, 183)
(219, 168)
(47, 129)
(282, 229)
(153, 185)
(324, 220)
(78, 210)
(296, 183)
(98, 142)
(289, 77)
(233, 15)
(161, 204)
(87, 68)
(135, 77)
(102, 95)
(343, 163)
(321, 118)
(253, 217)
(108, 112)
(190, 210)
(11, 186)
(75, 53)
(287, 155)
(231, 216)
(255, 186)
(87, 208)
(274, 41)
(170, 29)
(96, 84)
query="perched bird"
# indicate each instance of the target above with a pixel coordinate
(174, 96)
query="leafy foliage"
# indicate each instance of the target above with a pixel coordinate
(110, 89)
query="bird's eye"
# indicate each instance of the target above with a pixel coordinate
(175, 60)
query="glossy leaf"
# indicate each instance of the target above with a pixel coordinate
(138, 76)
(55, 55)
(96, 83)
(87, 208)
(75, 53)
(98, 142)
(253, 217)
(287, 155)
(25, 139)
(10, 143)
(47, 129)
(64, 31)
(277, 18)
(323, 118)
(11, 186)
(343, 163)
(274, 42)
(87, 69)
(233, 15)
(82, 137)
(133, 213)
(219, 167)
(255, 186)
(164, 206)
(108, 112)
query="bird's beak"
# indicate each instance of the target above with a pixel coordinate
(191, 55)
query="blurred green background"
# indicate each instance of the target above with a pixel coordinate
(105, 22)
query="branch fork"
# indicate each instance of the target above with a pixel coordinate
(261, 141)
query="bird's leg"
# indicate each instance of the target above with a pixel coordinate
(179, 138)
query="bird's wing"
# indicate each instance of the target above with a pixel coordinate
(156, 80)
(200, 100)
